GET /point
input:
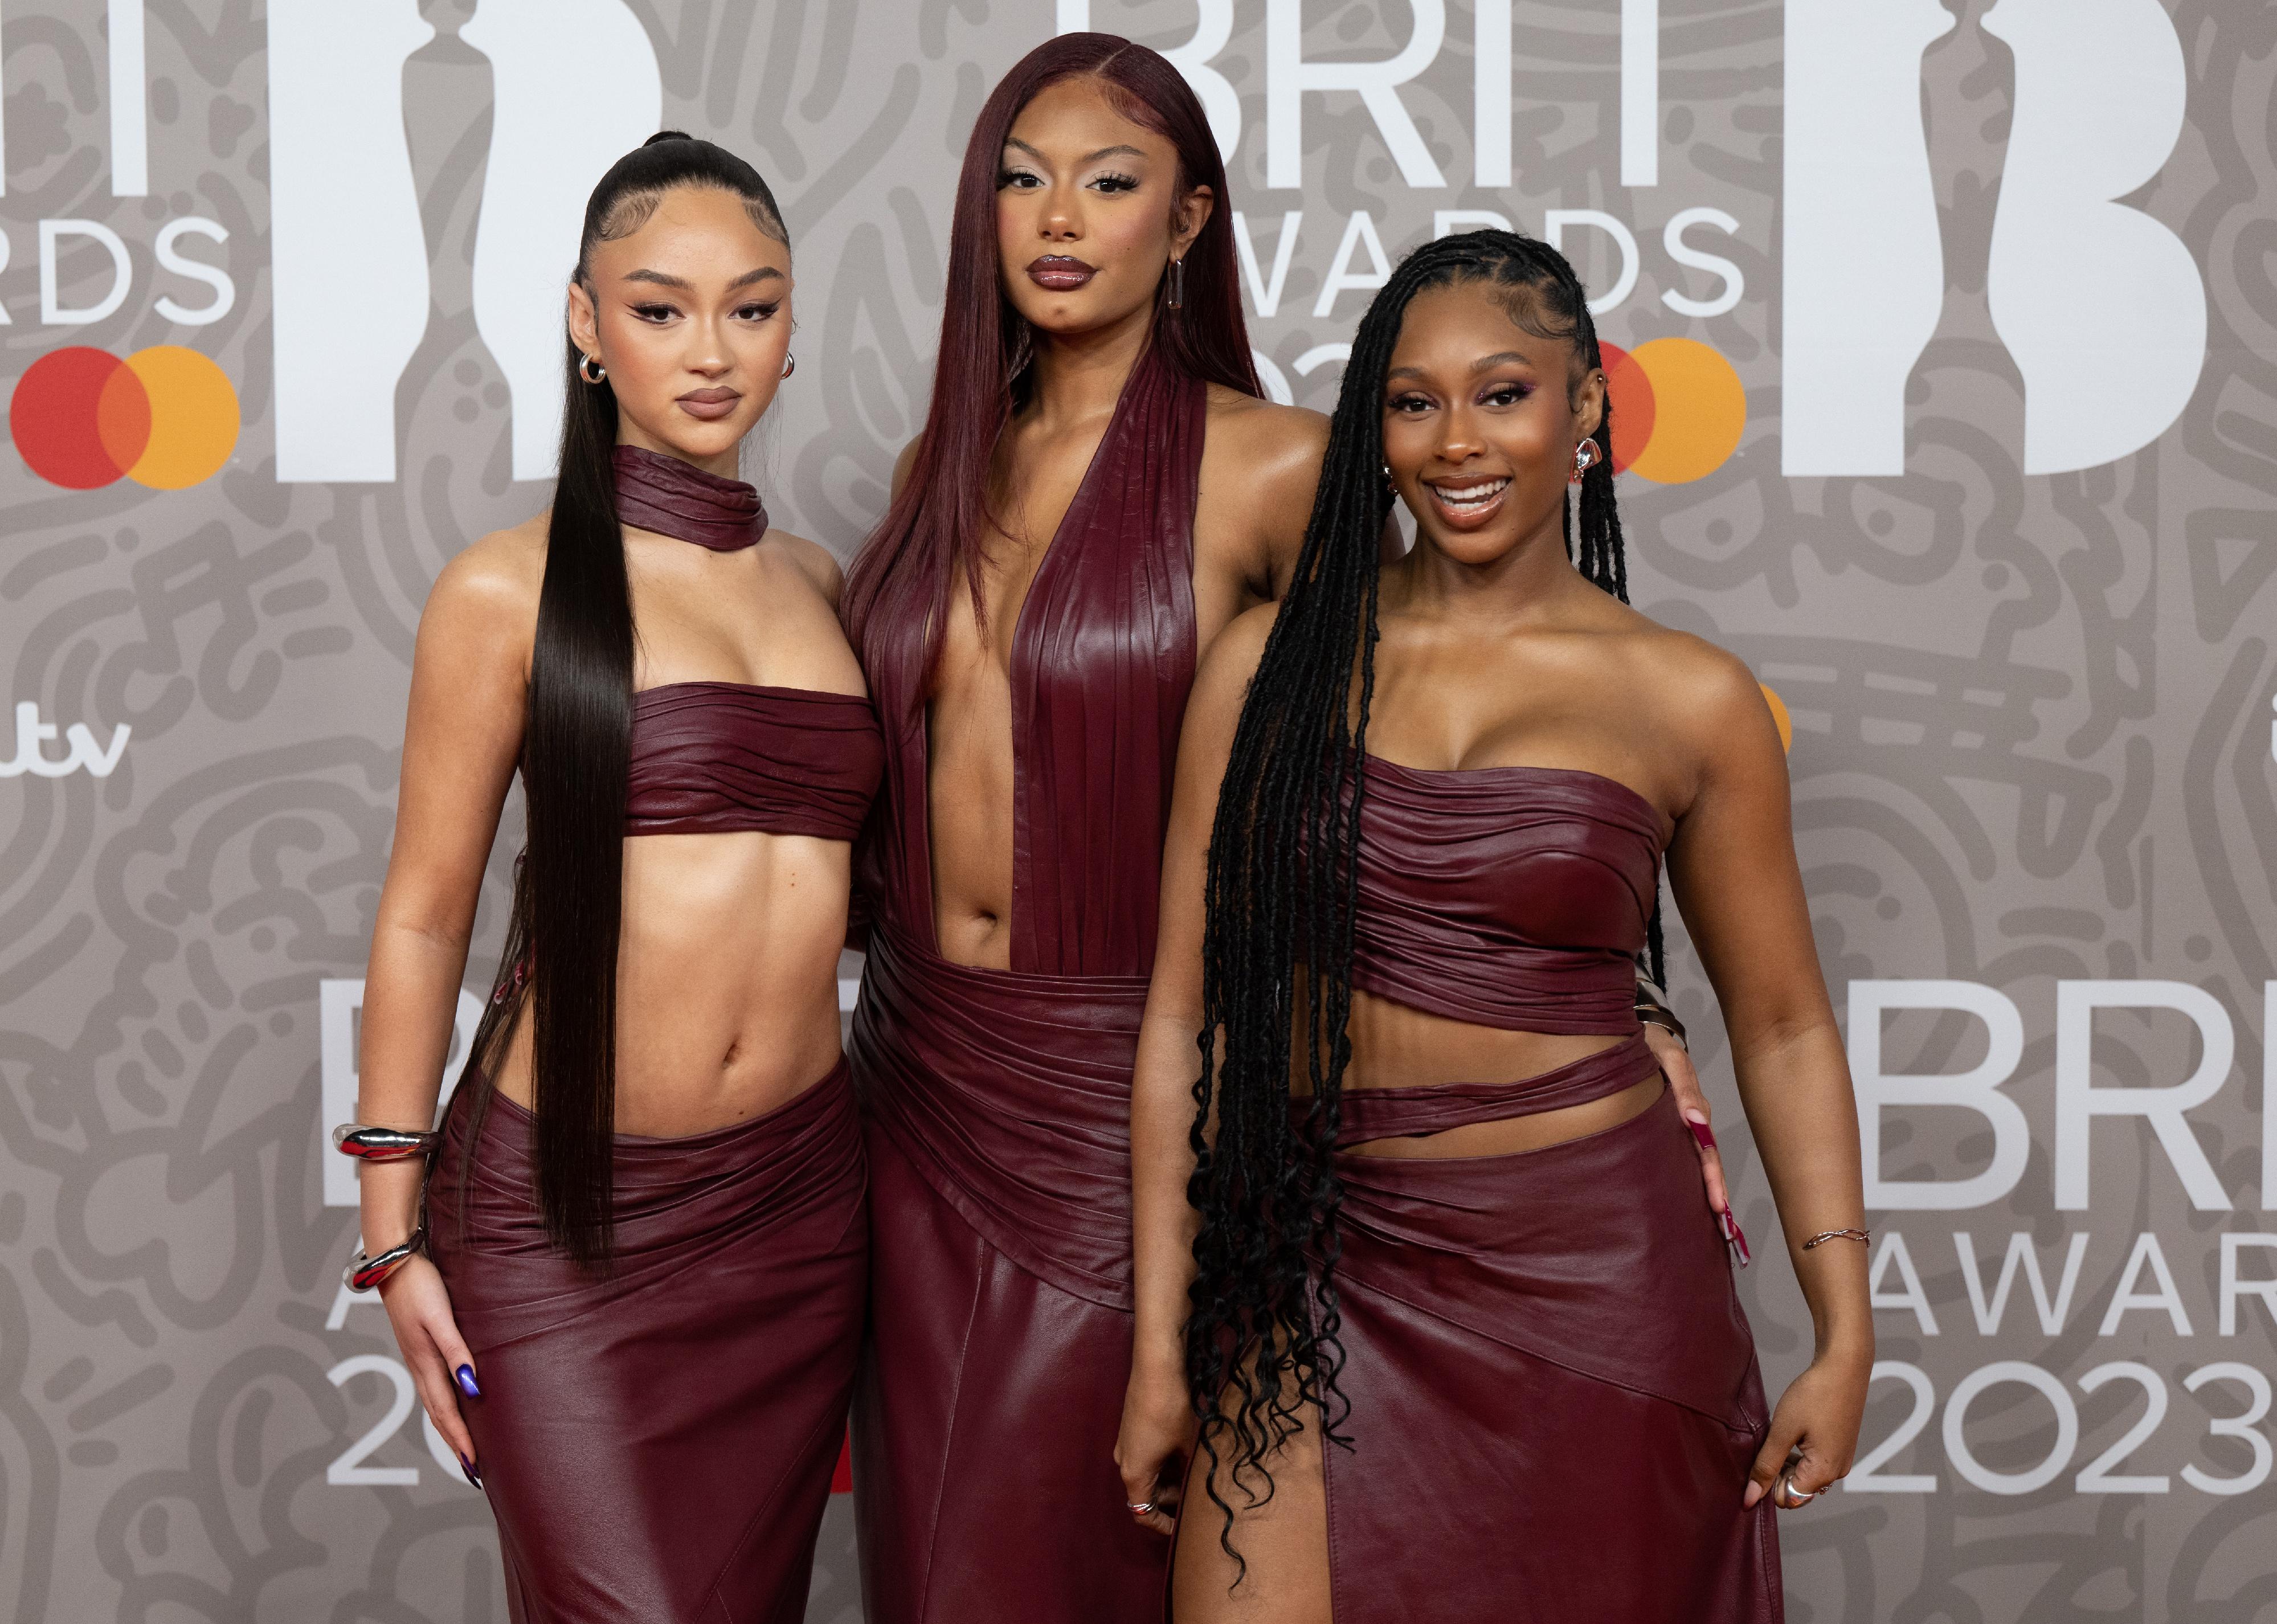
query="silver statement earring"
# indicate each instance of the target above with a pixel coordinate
(1178, 300)
(790, 364)
(1584, 457)
(591, 371)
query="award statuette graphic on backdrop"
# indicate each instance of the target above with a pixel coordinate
(1987, 273)
(2082, 287)
(576, 84)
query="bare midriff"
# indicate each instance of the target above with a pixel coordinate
(1394, 1045)
(727, 980)
(969, 798)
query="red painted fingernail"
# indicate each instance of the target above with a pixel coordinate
(1700, 1132)
(1734, 1236)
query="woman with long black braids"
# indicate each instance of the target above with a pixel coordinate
(639, 1302)
(1458, 1348)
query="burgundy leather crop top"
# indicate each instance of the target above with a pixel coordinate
(1515, 897)
(716, 757)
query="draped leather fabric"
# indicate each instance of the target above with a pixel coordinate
(657, 1441)
(1401, 1113)
(1547, 1363)
(1515, 897)
(677, 499)
(997, 1101)
(1550, 1374)
(713, 758)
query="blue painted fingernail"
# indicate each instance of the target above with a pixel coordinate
(473, 1476)
(466, 1374)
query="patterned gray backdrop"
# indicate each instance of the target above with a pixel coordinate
(2007, 566)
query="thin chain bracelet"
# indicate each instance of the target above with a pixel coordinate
(1867, 1235)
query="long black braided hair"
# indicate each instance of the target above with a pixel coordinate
(1261, 1340)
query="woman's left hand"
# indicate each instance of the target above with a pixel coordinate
(1814, 1432)
(1683, 1082)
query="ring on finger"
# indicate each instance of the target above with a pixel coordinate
(1787, 1497)
(1140, 1508)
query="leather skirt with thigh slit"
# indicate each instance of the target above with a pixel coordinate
(657, 1439)
(1554, 1394)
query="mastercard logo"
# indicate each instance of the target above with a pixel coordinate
(1679, 410)
(165, 417)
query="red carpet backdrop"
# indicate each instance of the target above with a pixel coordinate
(1947, 374)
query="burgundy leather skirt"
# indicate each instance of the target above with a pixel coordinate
(657, 1442)
(1555, 1400)
(997, 1111)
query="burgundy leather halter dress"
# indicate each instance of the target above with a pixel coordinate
(997, 1101)
(1555, 1399)
(657, 1440)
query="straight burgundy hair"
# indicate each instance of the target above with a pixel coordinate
(940, 517)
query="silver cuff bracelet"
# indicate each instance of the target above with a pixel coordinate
(382, 1144)
(364, 1273)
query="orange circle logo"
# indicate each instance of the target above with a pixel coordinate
(165, 417)
(1679, 410)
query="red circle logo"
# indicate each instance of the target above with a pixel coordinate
(165, 417)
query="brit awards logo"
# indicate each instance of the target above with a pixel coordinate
(2082, 289)
(575, 87)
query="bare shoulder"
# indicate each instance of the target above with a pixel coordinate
(1275, 441)
(812, 560)
(904, 462)
(501, 574)
(1703, 693)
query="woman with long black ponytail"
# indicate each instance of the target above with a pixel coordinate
(627, 1272)
(1419, 1224)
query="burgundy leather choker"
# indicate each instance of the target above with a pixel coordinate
(676, 498)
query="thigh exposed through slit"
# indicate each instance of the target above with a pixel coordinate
(1283, 1537)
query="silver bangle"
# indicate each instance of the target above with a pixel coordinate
(1826, 1235)
(1652, 1011)
(352, 1139)
(364, 1273)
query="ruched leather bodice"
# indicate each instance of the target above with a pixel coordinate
(1515, 897)
(716, 757)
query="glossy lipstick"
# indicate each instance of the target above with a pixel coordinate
(1061, 273)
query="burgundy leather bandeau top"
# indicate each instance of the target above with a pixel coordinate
(715, 757)
(1515, 897)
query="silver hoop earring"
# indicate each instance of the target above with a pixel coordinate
(591, 371)
(790, 364)
(1178, 300)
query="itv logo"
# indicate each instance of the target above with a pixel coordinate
(32, 734)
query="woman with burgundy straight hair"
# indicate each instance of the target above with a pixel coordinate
(1097, 491)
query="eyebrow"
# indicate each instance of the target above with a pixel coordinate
(1088, 157)
(664, 280)
(1487, 364)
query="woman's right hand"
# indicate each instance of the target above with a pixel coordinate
(419, 1308)
(1156, 1440)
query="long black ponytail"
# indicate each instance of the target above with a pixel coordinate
(1261, 1340)
(569, 901)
